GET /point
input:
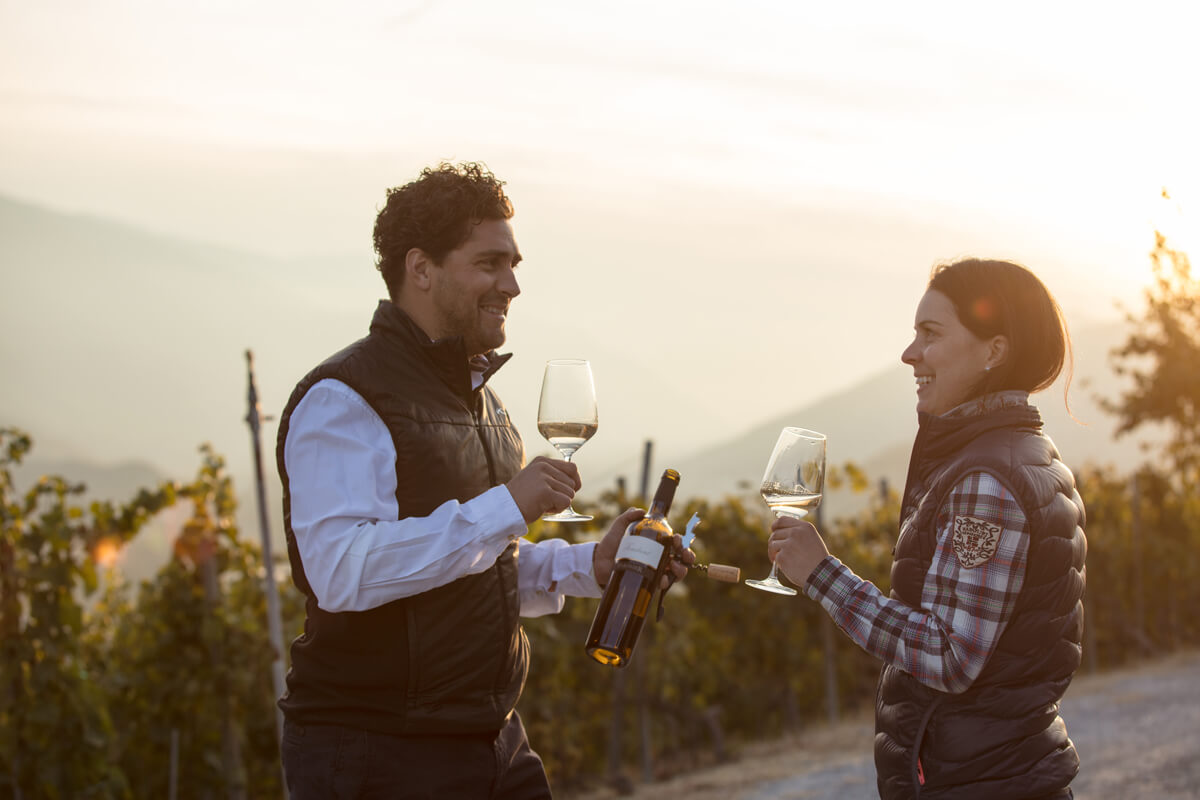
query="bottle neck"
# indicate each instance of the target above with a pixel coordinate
(662, 499)
(664, 495)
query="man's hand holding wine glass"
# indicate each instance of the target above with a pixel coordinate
(568, 415)
(544, 486)
(796, 548)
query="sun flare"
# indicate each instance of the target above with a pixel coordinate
(107, 552)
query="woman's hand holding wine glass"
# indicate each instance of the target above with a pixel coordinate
(796, 548)
(791, 487)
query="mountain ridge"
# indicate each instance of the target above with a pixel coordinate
(121, 343)
(872, 423)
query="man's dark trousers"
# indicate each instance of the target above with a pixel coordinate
(322, 762)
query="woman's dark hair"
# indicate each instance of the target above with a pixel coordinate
(435, 213)
(1000, 297)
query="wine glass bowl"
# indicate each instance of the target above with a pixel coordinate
(792, 485)
(567, 414)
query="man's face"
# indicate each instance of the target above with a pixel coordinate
(473, 286)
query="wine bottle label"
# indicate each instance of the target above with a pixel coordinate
(640, 549)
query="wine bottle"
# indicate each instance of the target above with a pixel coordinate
(643, 557)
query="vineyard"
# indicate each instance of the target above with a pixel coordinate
(110, 690)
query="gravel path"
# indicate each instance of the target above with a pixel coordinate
(1137, 731)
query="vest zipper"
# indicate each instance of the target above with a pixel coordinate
(412, 690)
(487, 452)
(499, 680)
(918, 770)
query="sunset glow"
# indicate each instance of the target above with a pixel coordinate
(746, 164)
(107, 552)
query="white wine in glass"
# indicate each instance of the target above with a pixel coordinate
(567, 415)
(792, 485)
(786, 501)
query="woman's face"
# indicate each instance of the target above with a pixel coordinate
(947, 359)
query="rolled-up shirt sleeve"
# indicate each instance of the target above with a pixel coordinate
(357, 554)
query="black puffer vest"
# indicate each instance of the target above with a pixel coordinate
(450, 660)
(1002, 737)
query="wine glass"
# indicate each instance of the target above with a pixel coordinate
(567, 415)
(792, 485)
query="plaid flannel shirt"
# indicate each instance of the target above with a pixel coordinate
(946, 642)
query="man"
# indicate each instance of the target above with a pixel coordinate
(405, 499)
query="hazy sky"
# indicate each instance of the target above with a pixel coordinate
(745, 196)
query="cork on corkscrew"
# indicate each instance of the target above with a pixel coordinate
(718, 572)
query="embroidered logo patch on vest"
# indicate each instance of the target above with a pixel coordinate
(975, 541)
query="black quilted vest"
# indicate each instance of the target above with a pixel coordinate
(1002, 737)
(452, 659)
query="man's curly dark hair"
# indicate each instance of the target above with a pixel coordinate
(435, 213)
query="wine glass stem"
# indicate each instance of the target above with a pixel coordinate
(773, 577)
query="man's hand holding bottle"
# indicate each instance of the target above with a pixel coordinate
(606, 551)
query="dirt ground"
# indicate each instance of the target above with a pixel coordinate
(1137, 731)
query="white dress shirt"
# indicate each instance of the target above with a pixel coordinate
(357, 555)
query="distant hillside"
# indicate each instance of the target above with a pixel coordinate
(873, 424)
(122, 351)
(129, 344)
(119, 343)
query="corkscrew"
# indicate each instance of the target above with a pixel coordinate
(689, 530)
(718, 572)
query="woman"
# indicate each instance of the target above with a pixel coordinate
(982, 630)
